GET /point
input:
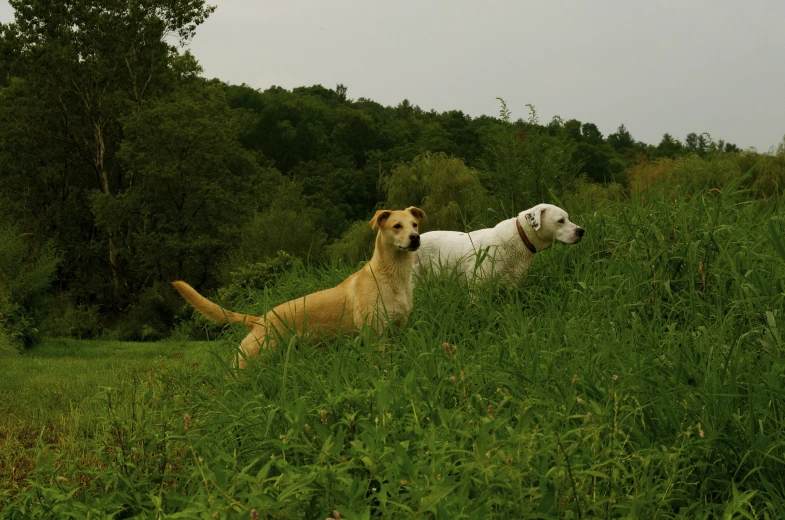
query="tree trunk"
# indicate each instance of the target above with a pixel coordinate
(103, 177)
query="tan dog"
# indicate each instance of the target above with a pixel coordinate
(376, 296)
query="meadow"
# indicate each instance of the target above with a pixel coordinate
(638, 374)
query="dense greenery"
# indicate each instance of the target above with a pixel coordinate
(137, 171)
(637, 374)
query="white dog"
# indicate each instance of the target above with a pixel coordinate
(505, 250)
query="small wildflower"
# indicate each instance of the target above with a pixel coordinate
(487, 454)
(471, 422)
(462, 376)
(307, 427)
(701, 434)
(447, 349)
(615, 377)
(272, 457)
(282, 437)
(453, 379)
(254, 514)
(403, 482)
(589, 417)
(508, 460)
(376, 420)
(187, 418)
(62, 480)
(579, 400)
(490, 409)
(323, 416)
(575, 378)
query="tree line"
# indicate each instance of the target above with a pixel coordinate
(123, 168)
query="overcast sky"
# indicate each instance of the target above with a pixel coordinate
(683, 66)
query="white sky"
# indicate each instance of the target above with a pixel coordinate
(657, 66)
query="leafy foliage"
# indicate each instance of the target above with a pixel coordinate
(26, 273)
(447, 190)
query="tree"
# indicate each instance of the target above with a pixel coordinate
(81, 67)
(669, 147)
(190, 192)
(692, 143)
(622, 140)
(447, 190)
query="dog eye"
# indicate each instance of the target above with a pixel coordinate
(561, 221)
(414, 225)
(397, 226)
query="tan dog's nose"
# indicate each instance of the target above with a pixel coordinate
(414, 241)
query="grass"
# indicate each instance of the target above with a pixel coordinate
(636, 375)
(49, 395)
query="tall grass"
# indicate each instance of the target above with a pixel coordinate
(638, 374)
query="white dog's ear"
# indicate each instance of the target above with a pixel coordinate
(534, 217)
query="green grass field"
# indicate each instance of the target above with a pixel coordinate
(639, 374)
(54, 396)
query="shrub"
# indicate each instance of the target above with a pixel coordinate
(289, 224)
(692, 172)
(445, 188)
(152, 317)
(26, 273)
(70, 320)
(356, 245)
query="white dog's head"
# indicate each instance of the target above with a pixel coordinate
(550, 224)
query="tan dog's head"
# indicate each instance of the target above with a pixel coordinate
(552, 224)
(398, 229)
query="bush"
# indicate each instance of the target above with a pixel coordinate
(26, 273)
(445, 188)
(288, 225)
(356, 245)
(152, 317)
(68, 320)
(692, 172)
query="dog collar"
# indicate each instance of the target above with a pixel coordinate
(523, 236)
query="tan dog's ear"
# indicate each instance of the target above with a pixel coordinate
(417, 212)
(378, 220)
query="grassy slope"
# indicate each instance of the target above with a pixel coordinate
(638, 374)
(50, 395)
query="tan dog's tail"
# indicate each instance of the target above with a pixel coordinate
(210, 310)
